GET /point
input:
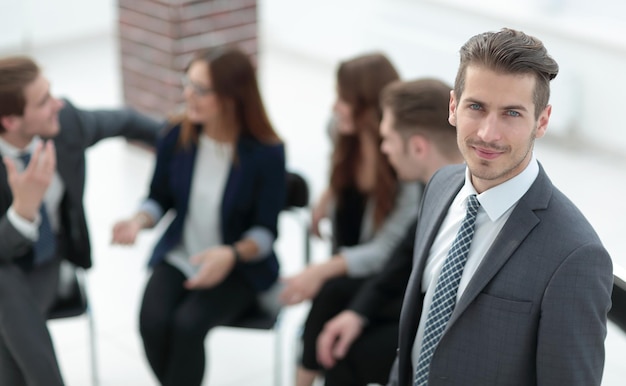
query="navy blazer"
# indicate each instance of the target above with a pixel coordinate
(254, 195)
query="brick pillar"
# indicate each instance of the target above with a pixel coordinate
(158, 38)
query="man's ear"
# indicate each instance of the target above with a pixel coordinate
(452, 109)
(10, 122)
(542, 121)
(418, 145)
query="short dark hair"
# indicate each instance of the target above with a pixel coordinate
(15, 74)
(510, 52)
(421, 107)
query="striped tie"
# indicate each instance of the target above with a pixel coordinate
(45, 246)
(444, 298)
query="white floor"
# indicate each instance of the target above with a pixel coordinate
(299, 93)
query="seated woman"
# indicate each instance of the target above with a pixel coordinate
(221, 168)
(368, 206)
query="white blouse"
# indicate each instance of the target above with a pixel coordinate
(202, 223)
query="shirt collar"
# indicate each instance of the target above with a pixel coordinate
(14, 152)
(497, 200)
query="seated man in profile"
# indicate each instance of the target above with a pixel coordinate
(358, 345)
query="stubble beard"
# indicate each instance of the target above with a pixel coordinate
(487, 170)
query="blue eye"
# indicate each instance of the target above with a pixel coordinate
(474, 106)
(513, 113)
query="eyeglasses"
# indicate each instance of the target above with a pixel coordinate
(197, 89)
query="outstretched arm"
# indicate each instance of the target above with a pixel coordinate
(90, 126)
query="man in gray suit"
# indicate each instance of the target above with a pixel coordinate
(530, 300)
(42, 219)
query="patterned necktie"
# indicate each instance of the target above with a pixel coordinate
(444, 297)
(45, 246)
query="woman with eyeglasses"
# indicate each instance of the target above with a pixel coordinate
(221, 170)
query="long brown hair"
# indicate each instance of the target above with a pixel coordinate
(234, 83)
(15, 74)
(359, 83)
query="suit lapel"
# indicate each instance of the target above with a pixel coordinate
(515, 230)
(68, 176)
(437, 200)
(232, 186)
(508, 240)
(235, 176)
(434, 213)
(181, 170)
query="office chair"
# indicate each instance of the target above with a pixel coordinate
(268, 316)
(72, 301)
(617, 314)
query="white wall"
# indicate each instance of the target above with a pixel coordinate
(28, 24)
(422, 37)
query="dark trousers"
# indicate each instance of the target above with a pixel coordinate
(371, 355)
(26, 352)
(369, 359)
(175, 321)
(333, 297)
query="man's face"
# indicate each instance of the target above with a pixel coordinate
(41, 111)
(396, 148)
(496, 125)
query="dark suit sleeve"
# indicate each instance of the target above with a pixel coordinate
(572, 328)
(12, 243)
(389, 284)
(159, 185)
(99, 124)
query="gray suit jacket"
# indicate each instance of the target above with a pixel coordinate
(535, 311)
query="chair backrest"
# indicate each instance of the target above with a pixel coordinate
(265, 317)
(617, 314)
(298, 198)
(297, 191)
(71, 295)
